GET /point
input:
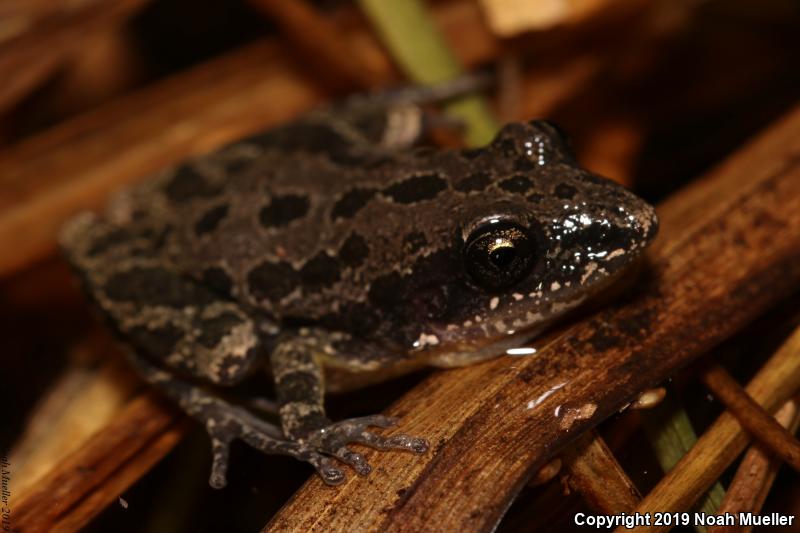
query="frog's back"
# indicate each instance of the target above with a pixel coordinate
(292, 234)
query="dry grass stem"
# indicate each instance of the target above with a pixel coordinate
(757, 422)
(756, 473)
(598, 477)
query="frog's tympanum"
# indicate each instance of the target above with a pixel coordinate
(329, 245)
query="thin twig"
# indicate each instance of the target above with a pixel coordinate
(596, 474)
(509, 87)
(755, 475)
(750, 415)
(92, 477)
(324, 45)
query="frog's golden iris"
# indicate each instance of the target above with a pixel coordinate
(499, 254)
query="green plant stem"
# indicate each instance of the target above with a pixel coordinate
(671, 435)
(417, 46)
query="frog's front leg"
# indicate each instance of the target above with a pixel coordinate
(226, 422)
(299, 383)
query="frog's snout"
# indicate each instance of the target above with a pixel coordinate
(650, 223)
(637, 219)
(647, 223)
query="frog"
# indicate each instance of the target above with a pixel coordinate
(337, 249)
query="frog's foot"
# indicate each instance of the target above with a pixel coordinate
(225, 423)
(332, 440)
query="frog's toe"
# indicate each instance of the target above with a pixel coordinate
(355, 430)
(356, 461)
(394, 442)
(219, 464)
(353, 426)
(333, 440)
(329, 473)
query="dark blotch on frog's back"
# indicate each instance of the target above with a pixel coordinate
(471, 153)
(157, 236)
(565, 191)
(210, 219)
(355, 158)
(356, 318)
(187, 184)
(238, 166)
(516, 183)
(272, 281)
(212, 330)
(477, 181)
(282, 210)
(159, 342)
(354, 251)
(351, 203)
(416, 189)
(153, 286)
(535, 197)
(108, 241)
(218, 280)
(320, 271)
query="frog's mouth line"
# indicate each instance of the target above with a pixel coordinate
(606, 292)
(489, 350)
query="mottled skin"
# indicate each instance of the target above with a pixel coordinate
(326, 244)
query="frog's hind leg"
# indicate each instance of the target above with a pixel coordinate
(396, 119)
(298, 377)
(177, 326)
(169, 317)
(366, 127)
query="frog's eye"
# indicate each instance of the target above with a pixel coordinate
(499, 255)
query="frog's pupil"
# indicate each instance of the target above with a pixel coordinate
(503, 256)
(499, 255)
